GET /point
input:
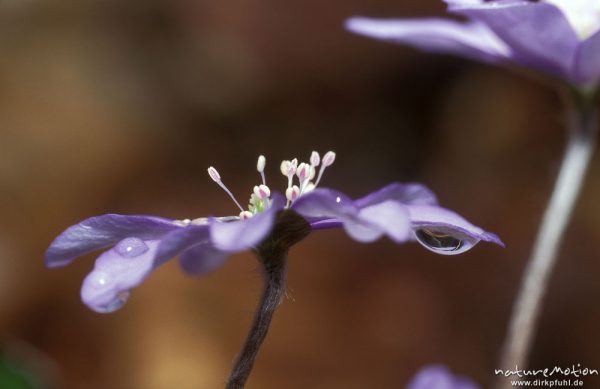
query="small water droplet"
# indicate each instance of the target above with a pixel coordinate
(438, 241)
(131, 247)
(119, 300)
(338, 200)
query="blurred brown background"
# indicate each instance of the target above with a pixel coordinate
(120, 106)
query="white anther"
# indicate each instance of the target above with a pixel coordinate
(328, 158)
(295, 162)
(260, 165)
(262, 191)
(245, 215)
(292, 193)
(315, 159)
(287, 168)
(303, 172)
(214, 174)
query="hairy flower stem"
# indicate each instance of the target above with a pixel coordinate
(272, 253)
(583, 128)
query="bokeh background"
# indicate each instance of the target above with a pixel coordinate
(120, 106)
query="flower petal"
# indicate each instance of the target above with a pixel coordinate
(197, 254)
(243, 234)
(177, 241)
(202, 259)
(466, 39)
(332, 208)
(439, 377)
(445, 232)
(404, 193)
(116, 271)
(389, 218)
(538, 33)
(587, 60)
(102, 231)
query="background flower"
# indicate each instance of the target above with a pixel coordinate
(560, 37)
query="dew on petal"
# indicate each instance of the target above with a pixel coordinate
(131, 247)
(119, 300)
(444, 242)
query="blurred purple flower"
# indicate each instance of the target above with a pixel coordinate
(559, 37)
(402, 212)
(439, 377)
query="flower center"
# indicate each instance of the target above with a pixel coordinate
(260, 199)
(583, 15)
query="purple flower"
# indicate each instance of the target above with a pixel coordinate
(402, 212)
(559, 37)
(439, 377)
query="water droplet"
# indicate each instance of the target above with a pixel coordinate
(119, 300)
(439, 241)
(131, 247)
(338, 200)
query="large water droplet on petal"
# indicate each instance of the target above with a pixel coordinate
(445, 241)
(438, 240)
(131, 247)
(119, 300)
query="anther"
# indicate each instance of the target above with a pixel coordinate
(315, 159)
(214, 174)
(328, 160)
(262, 191)
(303, 172)
(260, 167)
(291, 194)
(287, 168)
(245, 215)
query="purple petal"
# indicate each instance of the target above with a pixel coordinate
(197, 254)
(466, 39)
(587, 60)
(445, 232)
(102, 231)
(243, 234)
(330, 207)
(116, 271)
(323, 204)
(439, 377)
(202, 259)
(416, 194)
(177, 241)
(538, 33)
(389, 218)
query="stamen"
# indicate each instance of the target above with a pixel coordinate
(245, 215)
(303, 172)
(260, 166)
(262, 191)
(214, 174)
(315, 159)
(328, 160)
(291, 194)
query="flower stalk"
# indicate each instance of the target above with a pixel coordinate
(272, 253)
(583, 129)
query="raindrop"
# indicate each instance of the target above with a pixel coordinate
(119, 300)
(131, 247)
(439, 242)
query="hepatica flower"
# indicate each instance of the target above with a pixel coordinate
(439, 377)
(402, 212)
(558, 37)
